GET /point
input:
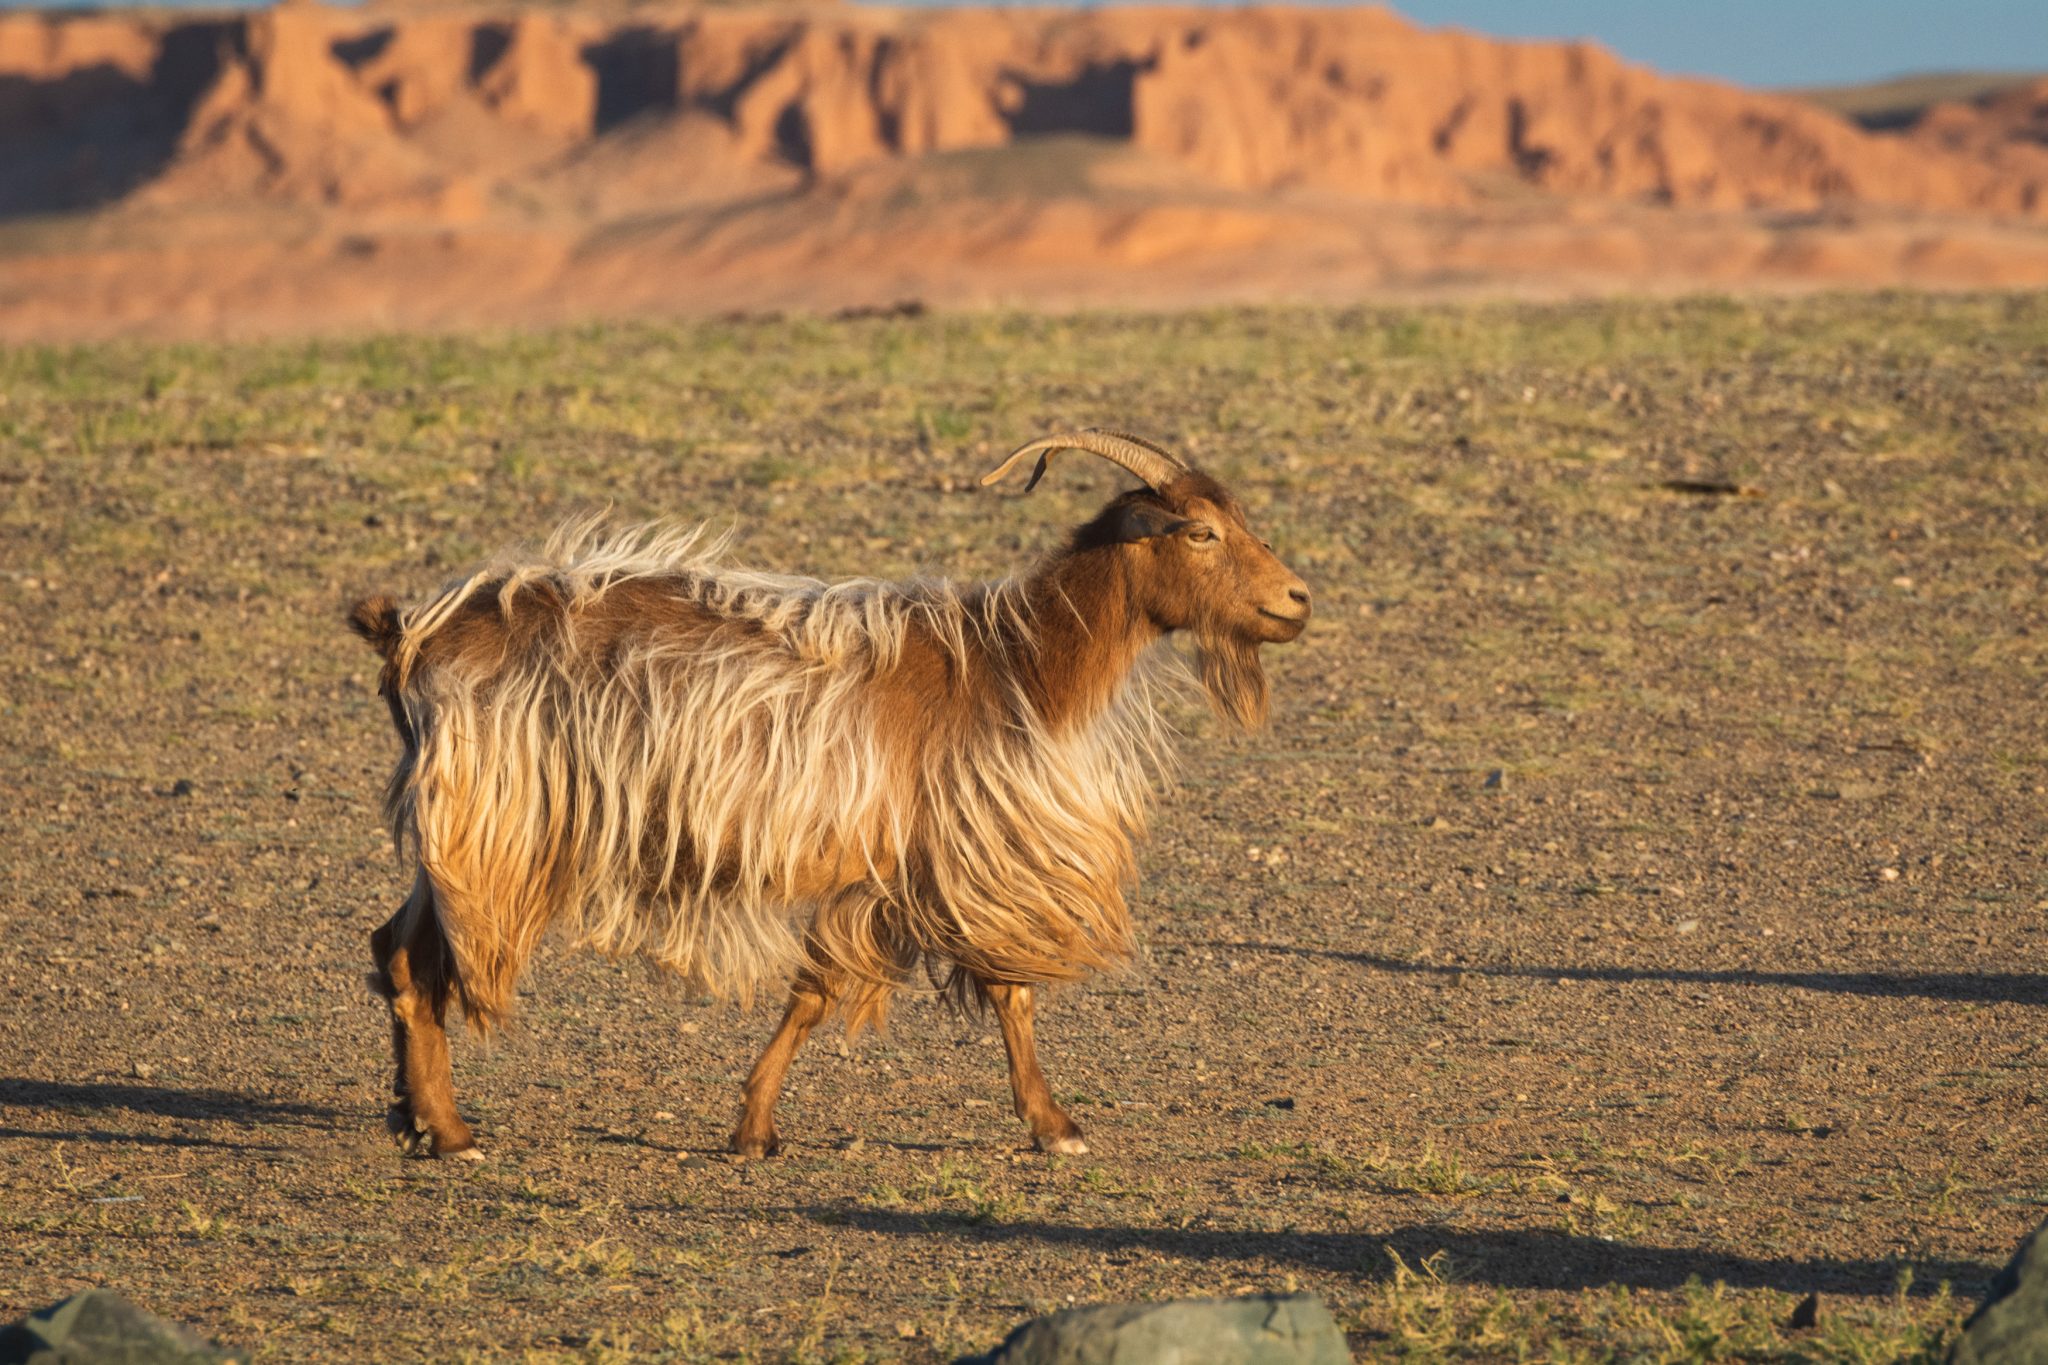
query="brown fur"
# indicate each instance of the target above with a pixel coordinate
(741, 776)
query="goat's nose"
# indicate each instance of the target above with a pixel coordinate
(1300, 596)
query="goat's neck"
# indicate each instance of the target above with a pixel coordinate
(1087, 634)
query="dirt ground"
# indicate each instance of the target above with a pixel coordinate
(1629, 924)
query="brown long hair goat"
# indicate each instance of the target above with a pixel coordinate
(744, 776)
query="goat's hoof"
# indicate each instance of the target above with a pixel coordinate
(405, 1130)
(1062, 1146)
(414, 1138)
(755, 1148)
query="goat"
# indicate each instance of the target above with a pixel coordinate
(745, 777)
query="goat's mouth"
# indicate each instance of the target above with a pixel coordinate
(1284, 628)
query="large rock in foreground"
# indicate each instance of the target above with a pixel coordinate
(2011, 1326)
(99, 1327)
(1270, 1329)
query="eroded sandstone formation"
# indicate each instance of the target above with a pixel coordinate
(308, 105)
(305, 168)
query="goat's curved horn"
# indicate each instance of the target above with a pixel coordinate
(1156, 466)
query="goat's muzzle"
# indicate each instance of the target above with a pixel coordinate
(1288, 617)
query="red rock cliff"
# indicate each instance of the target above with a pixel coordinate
(433, 112)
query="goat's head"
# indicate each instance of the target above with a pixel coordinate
(1192, 562)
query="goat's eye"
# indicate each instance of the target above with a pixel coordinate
(1201, 535)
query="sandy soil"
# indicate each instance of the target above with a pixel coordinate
(1634, 884)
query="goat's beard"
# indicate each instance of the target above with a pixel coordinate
(1233, 677)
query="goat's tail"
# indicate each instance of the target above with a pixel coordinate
(376, 619)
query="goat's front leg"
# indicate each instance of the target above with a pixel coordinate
(1051, 1129)
(809, 998)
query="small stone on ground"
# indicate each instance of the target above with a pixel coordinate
(1266, 1329)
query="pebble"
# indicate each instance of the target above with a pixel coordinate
(1887, 874)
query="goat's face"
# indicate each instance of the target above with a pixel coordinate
(1189, 561)
(1198, 565)
(1195, 564)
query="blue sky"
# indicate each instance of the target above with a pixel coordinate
(1753, 42)
(1776, 42)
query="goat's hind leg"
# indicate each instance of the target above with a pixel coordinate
(1051, 1128)
(414, 974)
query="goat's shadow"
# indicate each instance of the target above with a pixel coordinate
(1507, 1259)
(2020, 988)
(22, 1096)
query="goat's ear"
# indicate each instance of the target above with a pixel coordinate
(1144, 520)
